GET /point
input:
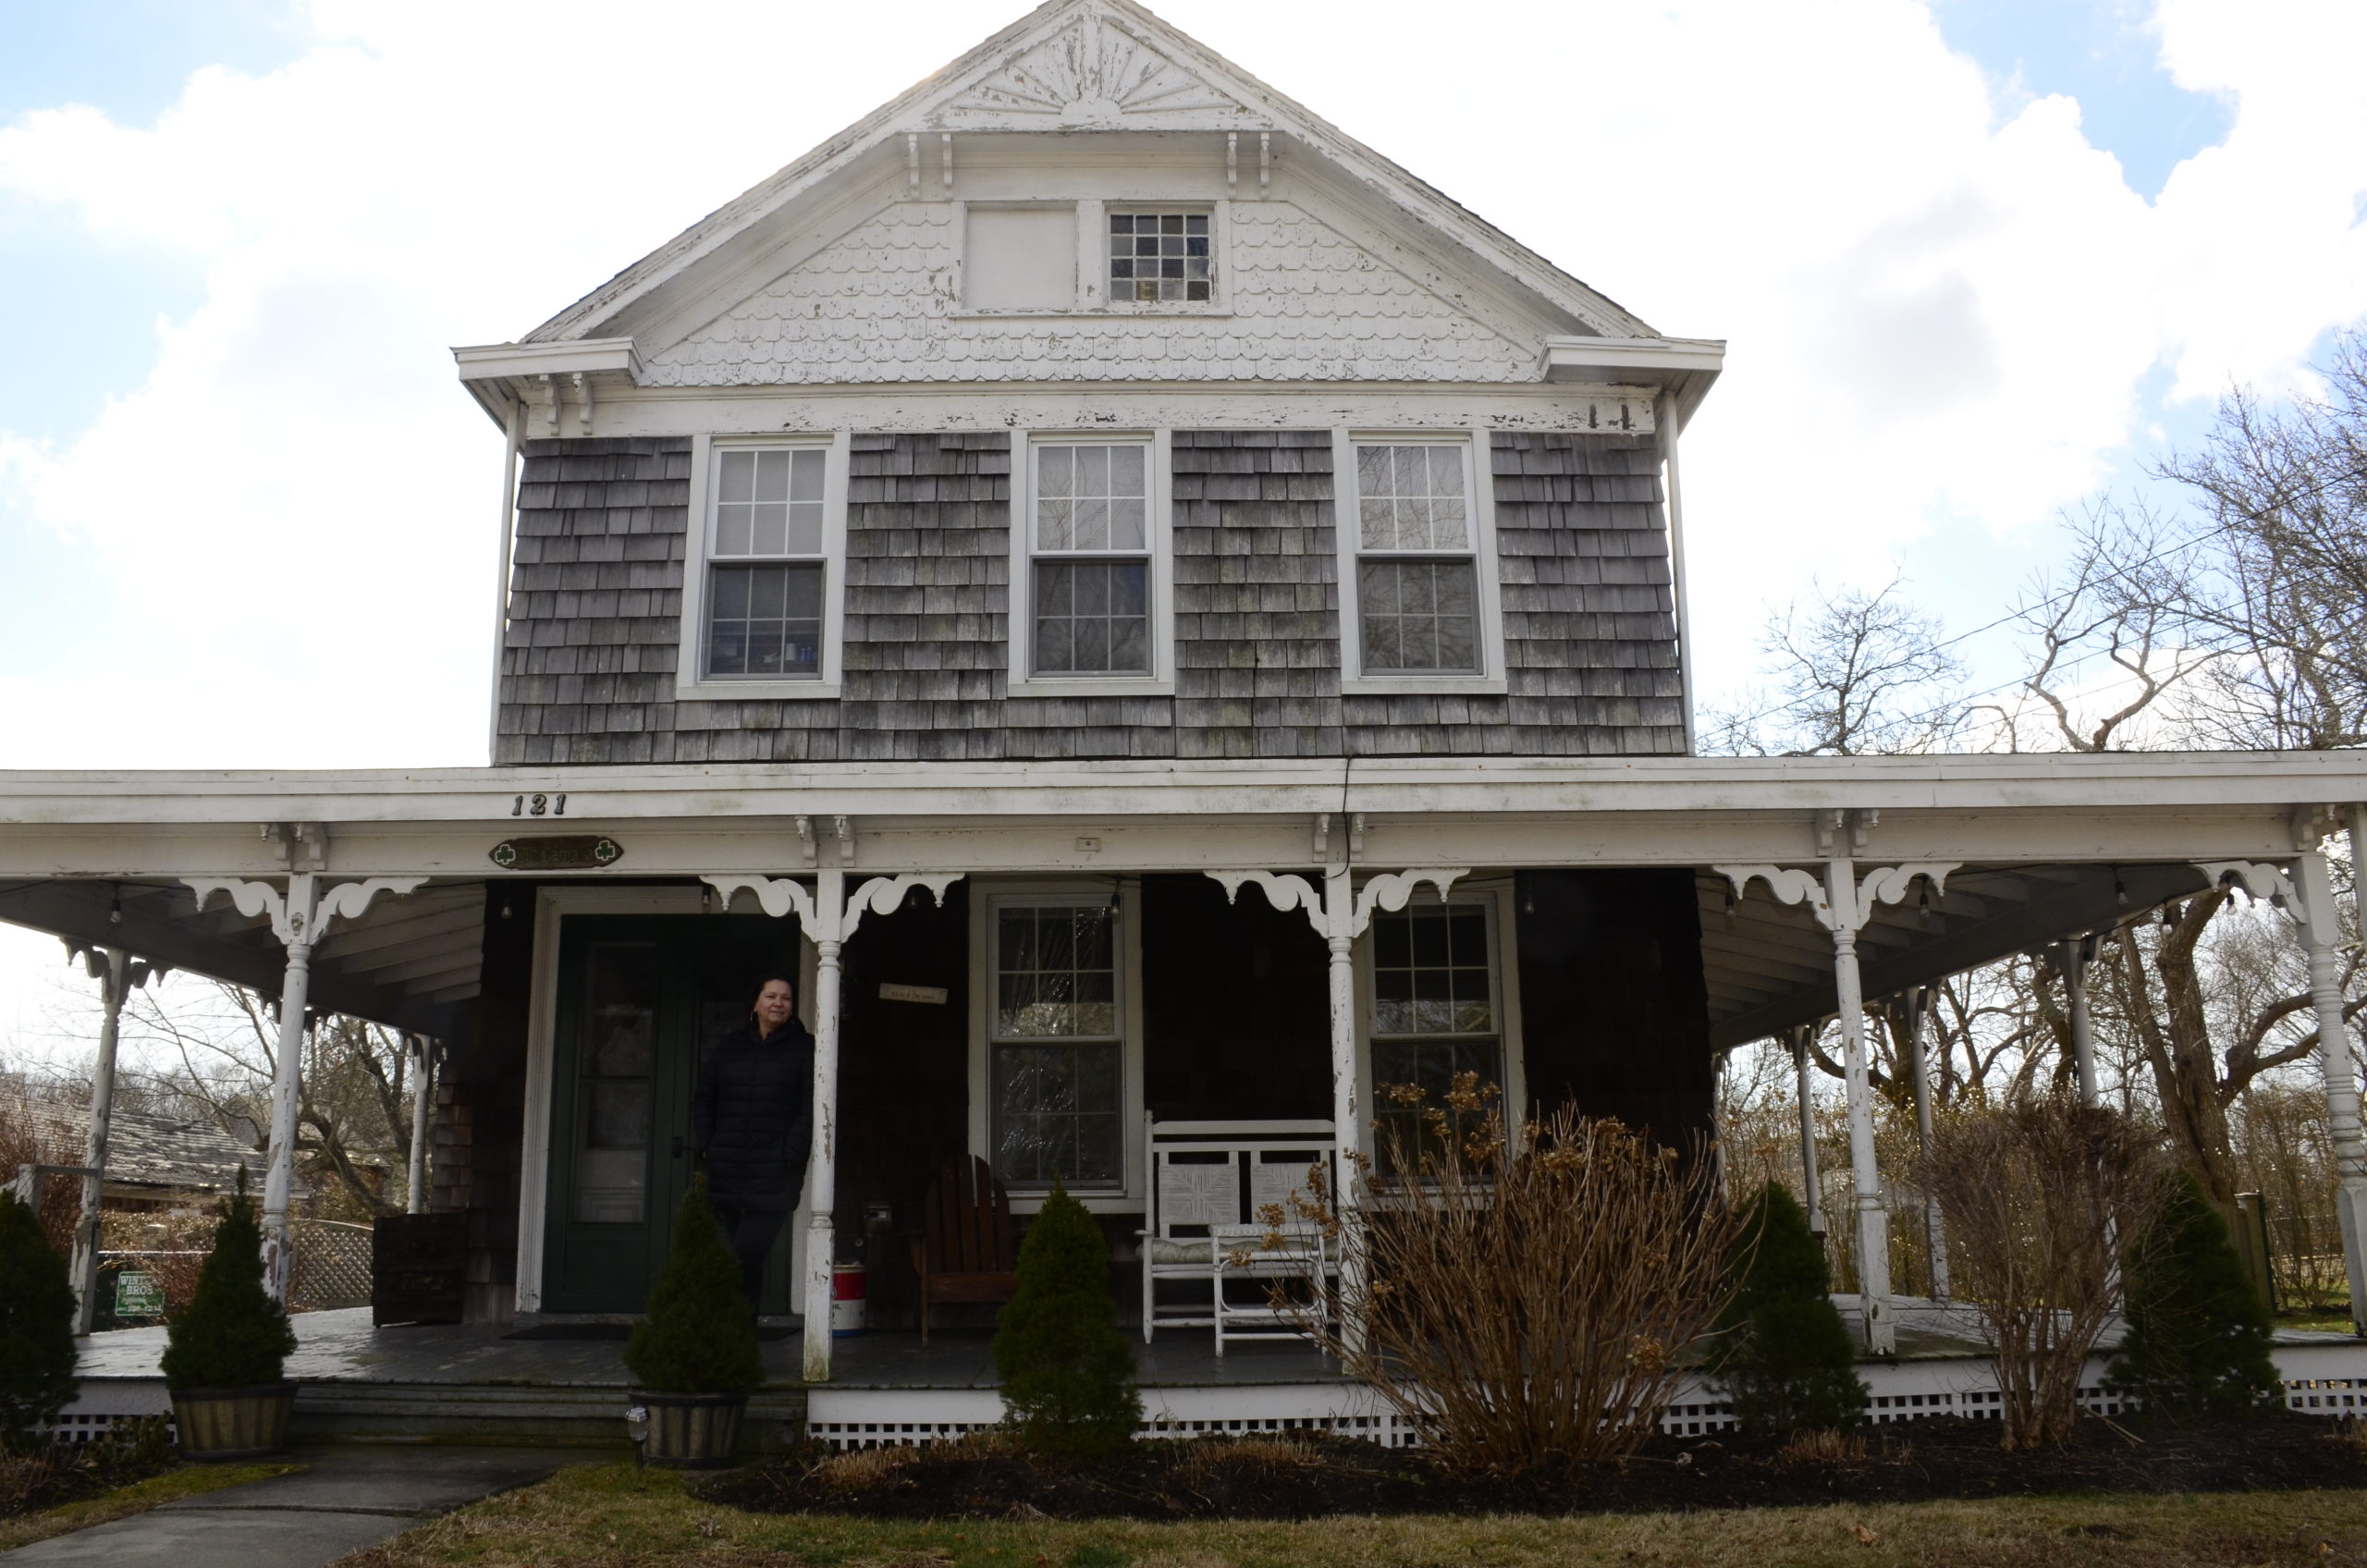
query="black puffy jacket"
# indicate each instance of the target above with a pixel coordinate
(753, 1117)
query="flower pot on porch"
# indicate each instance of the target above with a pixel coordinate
(219, 1424)
(690, 1431)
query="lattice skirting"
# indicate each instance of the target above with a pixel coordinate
(2320, 1380)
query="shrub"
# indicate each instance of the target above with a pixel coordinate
(232, 1335)
(36, 1327)
(699, 1336)
(2034, 1194)
(1525, 1305)
(1785, 1357)
(1067, 1373)
(2198, 1333)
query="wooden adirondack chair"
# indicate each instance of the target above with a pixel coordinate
(968, 1251)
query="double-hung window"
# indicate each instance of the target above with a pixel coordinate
(1057, 1028)
(1437, 1011)
(761, 616)
(1091, 606)
(1420, 564)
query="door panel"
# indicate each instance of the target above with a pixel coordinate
(641, 999)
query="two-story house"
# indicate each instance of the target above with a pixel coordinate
(1153, 613)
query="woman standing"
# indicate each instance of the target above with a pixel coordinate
(752, 1121)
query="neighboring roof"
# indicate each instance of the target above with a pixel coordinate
(169, 1153)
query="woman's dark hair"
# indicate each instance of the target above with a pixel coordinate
(768, 980)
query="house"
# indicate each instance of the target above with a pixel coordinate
(1148, 611)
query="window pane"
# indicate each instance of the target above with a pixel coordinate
(768, 529)
(613, 1096)
(772, 477)
(765, 620)
(768, 503)
(1431, 973)
(1057, 971)
(1159, 256)
(1412, 498)
(1419, 616)
(1092, 618)
(1432, 1067)
(1057, 1113)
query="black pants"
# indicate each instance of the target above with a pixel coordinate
(751, 1232)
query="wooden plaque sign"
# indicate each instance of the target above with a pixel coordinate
(558, 851)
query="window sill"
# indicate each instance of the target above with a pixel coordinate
(754, 691)
(1092, 686)
(1102, 1202)
(1423, 686)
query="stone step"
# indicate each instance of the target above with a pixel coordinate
(573, 1414)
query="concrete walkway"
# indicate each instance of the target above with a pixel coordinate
(345, 1499)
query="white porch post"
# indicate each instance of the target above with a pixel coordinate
(1802, 1081)
(2077, 954)
(1339, 914)
(1843, 903)
(829, 916)
(299, 918)
(110, 967)
(2320, 932)
(1918, 1045)
(423, 1082)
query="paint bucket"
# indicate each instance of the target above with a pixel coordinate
(850, 1314)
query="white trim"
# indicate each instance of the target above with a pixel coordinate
(1160, 554)
(1503, 958)
(1490, 680)
(514, 442)
(1127, 1197)
(551, 906)
(690, 685)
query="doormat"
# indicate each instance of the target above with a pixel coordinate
(617, 1332)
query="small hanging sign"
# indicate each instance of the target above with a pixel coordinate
(558, 851)
(932, 995)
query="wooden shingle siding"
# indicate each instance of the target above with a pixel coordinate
(595, 606)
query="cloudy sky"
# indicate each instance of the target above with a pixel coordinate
(1975, 260)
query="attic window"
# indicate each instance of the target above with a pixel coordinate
(1159, 257)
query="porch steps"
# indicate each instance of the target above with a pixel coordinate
(586, 1416)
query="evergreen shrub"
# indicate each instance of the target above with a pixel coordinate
(36, 1327)
(1784, 1356)
(699, 1336)
(232, 1334)
(2198, 1332)
(1067, 1373)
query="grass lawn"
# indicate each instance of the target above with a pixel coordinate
(187, 1480)
(2334, 1320)
(614, 1516)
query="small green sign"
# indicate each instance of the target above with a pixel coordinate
(138, 1295)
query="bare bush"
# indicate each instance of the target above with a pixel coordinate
(2034, 1194)
(32, 1133)
(1523, 1305)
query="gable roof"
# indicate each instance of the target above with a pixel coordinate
(1088, 65)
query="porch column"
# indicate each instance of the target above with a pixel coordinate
(1843, 903)
(1801, 1080)
(2321, 936)
(1339, 914)
(2077, 954)
(423, 1082)
(118, 977)
(828, 917)
(1918, 1047)
(298, 917)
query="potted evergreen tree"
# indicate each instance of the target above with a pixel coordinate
(1783, 1355)
(36, 1328)
(1067, 1373)
(693, 1355)
(225, 1351)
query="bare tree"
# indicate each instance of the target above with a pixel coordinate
(1854, 674)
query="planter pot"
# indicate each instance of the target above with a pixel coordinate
(216, 1425)
(690, 1431)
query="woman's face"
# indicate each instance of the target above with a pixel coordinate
(774, 1004)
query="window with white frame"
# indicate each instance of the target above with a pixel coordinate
(766, 585)
(1161, 257)
(1437, 1012)
(1418, 602)
(1089, 588)
(1056, 1057)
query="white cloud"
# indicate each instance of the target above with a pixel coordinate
(1942, 302)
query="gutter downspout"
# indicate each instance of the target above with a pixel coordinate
(1667, 421)
(517, 441)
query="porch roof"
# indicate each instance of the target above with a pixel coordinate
(2046, 846)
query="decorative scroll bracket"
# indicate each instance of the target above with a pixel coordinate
(305, 911)
(1349, 919)
(1883, 884)
(780, 896)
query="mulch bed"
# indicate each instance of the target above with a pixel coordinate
(64, 1473)
(1302, 1478)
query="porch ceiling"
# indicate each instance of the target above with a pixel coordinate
(405, 963)
(1769, 965)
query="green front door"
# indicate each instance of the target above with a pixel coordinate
(641, 999)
